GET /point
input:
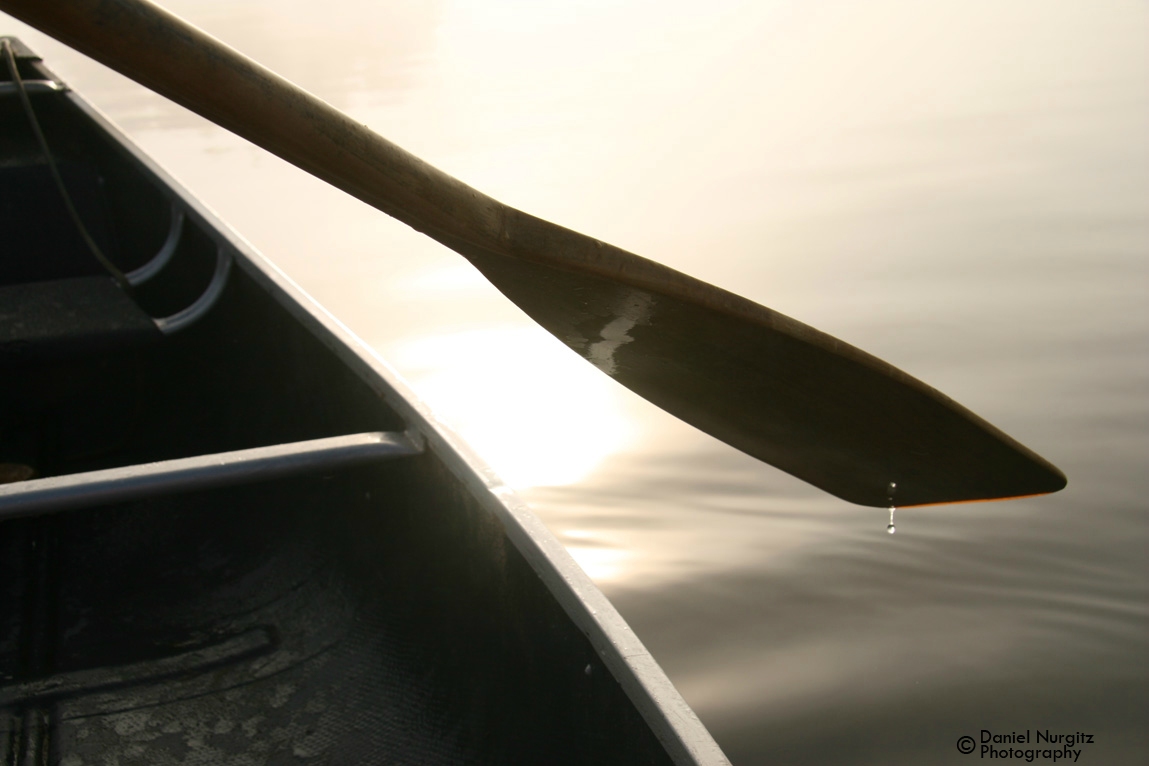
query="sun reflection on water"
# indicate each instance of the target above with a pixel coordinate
(537, 414)
(599, 559)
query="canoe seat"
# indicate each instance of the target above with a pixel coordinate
(69, 317)
(55, 300)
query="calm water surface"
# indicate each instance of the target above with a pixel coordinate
(961, 188)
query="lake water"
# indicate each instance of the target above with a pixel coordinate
(959, 187)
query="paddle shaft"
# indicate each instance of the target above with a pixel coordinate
(175, 59)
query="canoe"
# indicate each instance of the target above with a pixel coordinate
(230, 534)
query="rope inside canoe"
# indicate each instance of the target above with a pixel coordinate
(117, 275)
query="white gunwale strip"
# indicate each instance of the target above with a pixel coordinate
(685, 738)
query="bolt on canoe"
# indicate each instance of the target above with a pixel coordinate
(230, 534)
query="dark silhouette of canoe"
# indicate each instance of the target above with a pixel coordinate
(229, 535)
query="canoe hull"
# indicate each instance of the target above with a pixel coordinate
(406, 611)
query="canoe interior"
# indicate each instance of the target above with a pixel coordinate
(370, 615)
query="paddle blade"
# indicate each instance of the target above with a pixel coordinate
(776, 389)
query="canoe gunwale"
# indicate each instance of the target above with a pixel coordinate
(667, 714)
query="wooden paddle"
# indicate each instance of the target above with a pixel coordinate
(783, 392)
